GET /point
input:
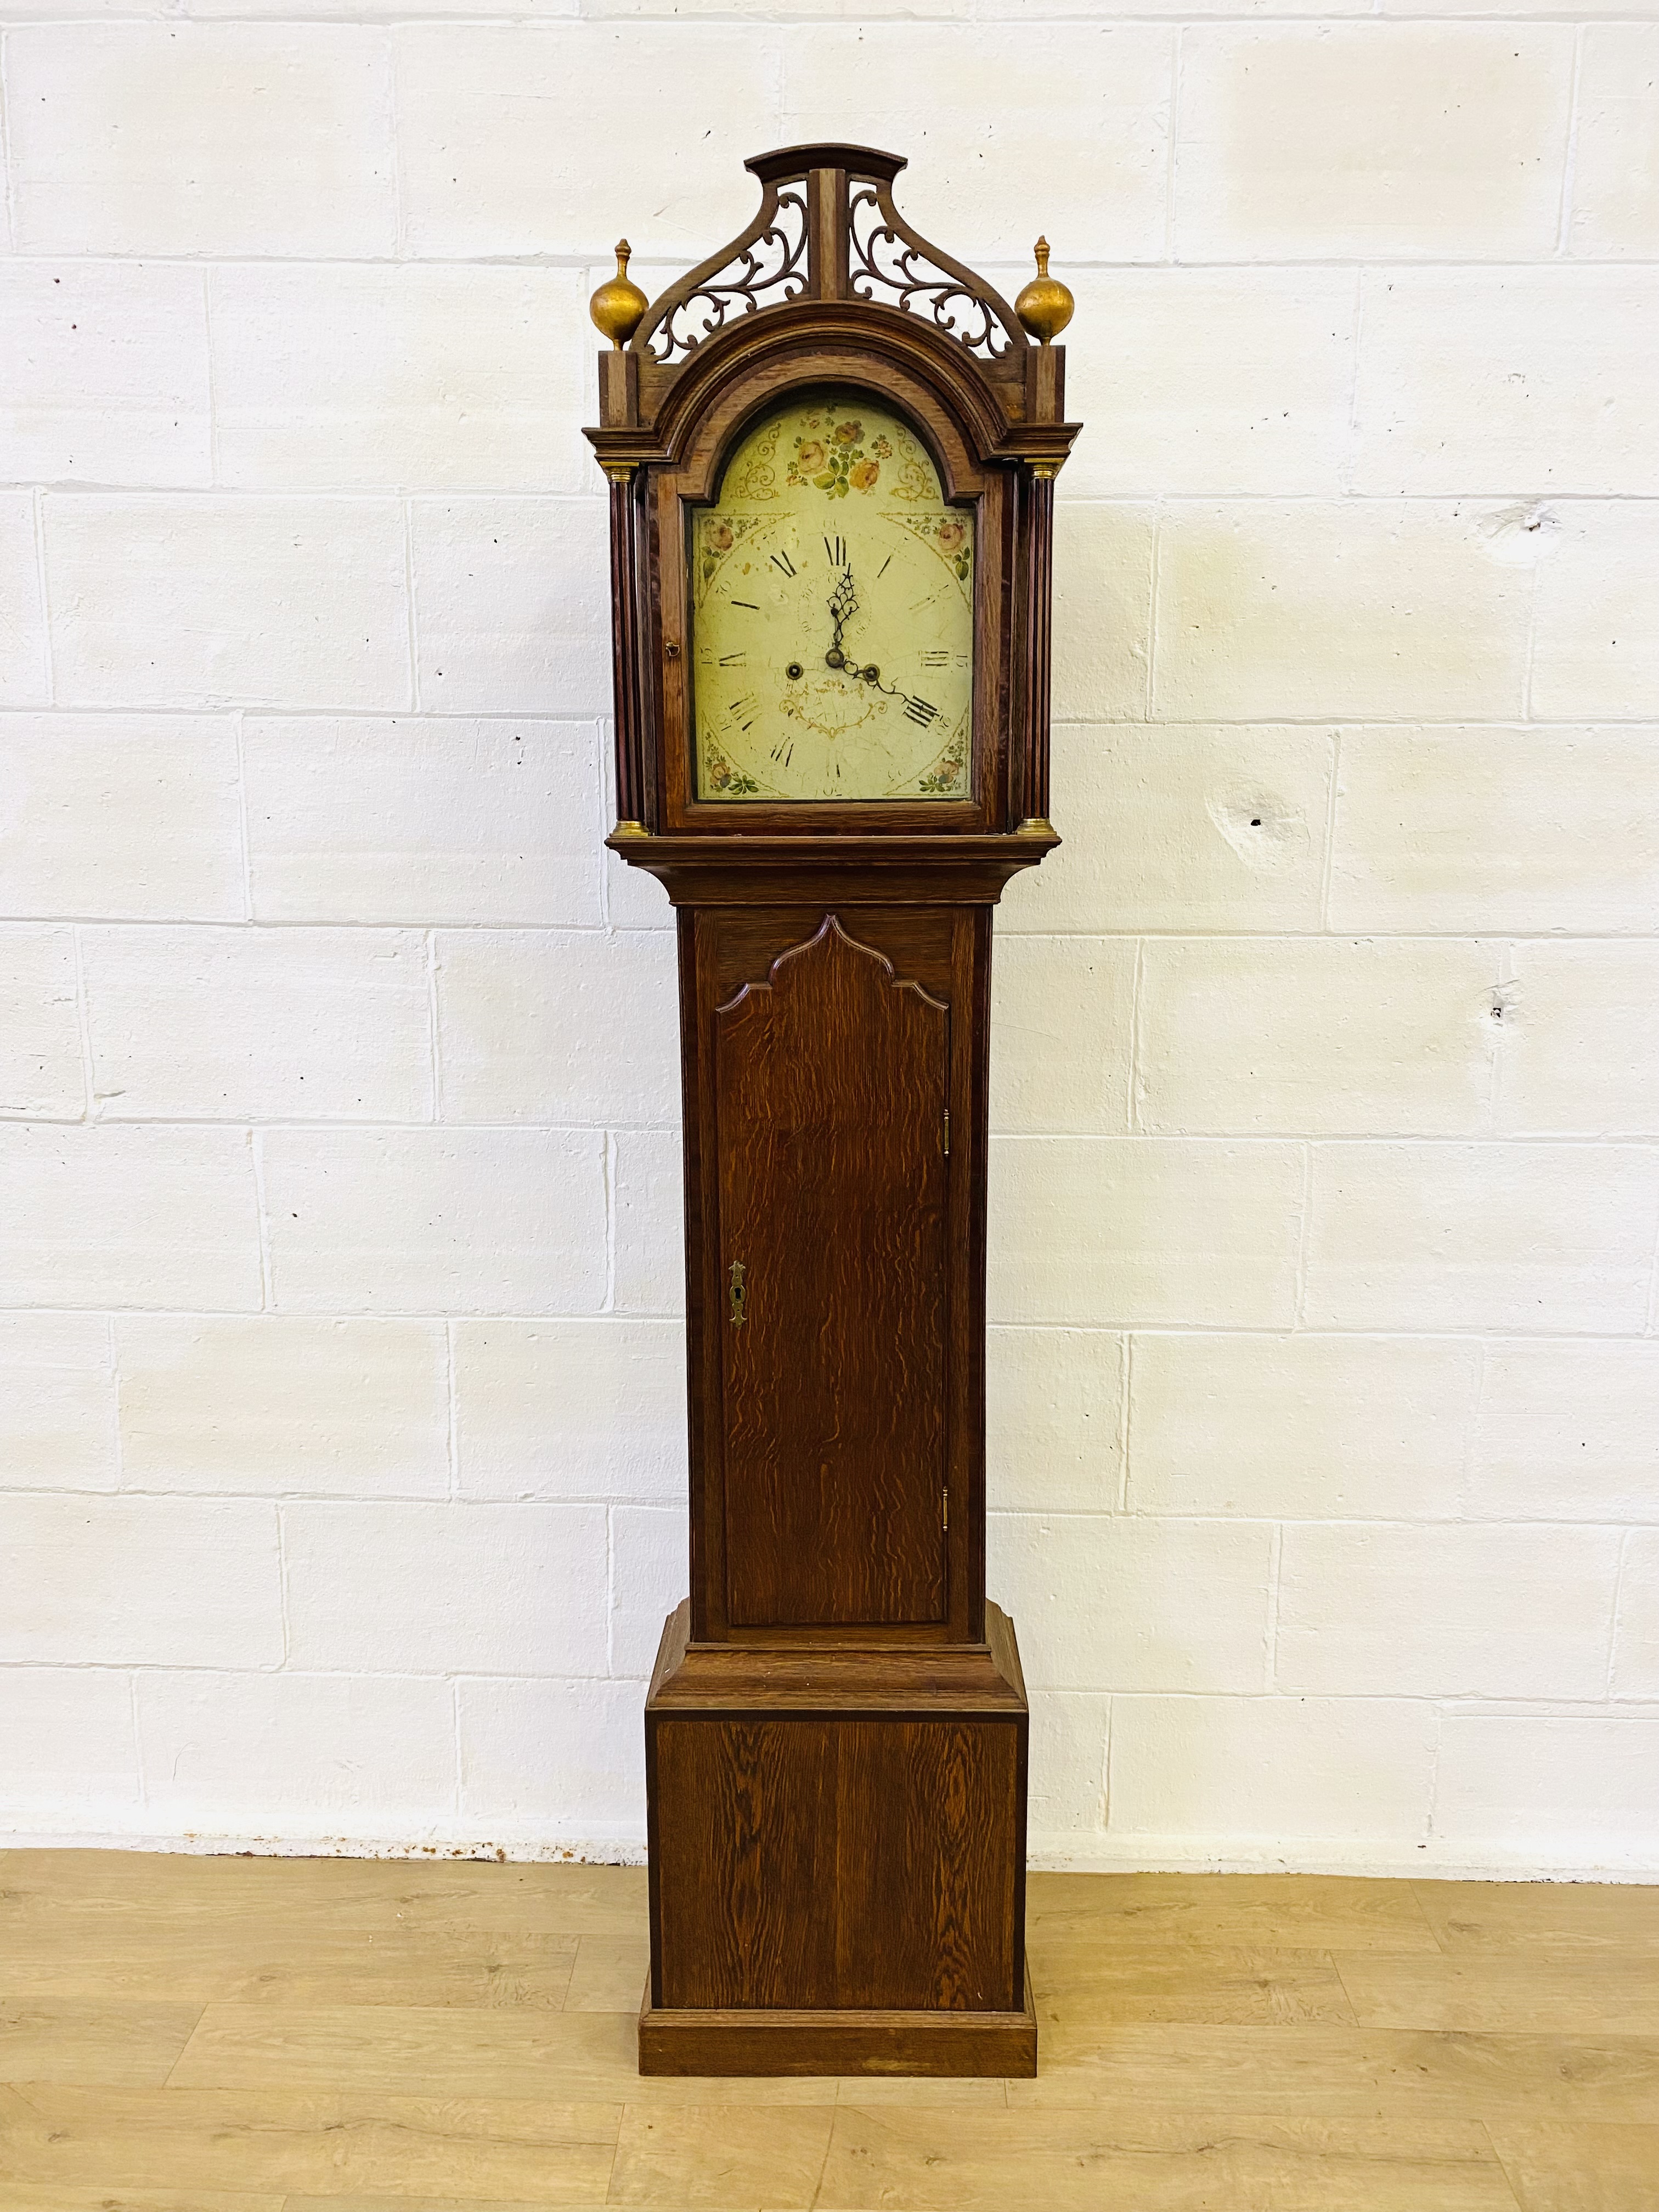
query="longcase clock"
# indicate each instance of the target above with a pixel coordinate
(831, 450)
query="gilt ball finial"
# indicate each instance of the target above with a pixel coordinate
(1046, 305)
(618, 304)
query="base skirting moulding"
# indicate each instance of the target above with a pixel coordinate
(949, 2044)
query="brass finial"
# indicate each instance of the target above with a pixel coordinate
(618, 303)
(1045, 306)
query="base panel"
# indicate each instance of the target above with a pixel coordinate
(951, 2043)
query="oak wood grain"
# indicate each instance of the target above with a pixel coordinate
(713, 2156)
(442, 2052)
(1563, 2168)
(1270, 1911)
(1321, 2068)
(350, 2135)
(1588, 1919)
(48, 2039)
(608, 1973)
(1482, 1989)
(809, 1862)
(831, 1088)
(1027, 2161)
(329, 1900)
(272, 1961)
(364, 2108)
(1081, 1979)
(31, 2197)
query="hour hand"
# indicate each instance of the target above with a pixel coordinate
(843, 605)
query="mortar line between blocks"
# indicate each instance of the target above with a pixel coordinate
(434, 1048)
(1505, 976)
(1349, 463)
(212, 387)
(137, 1737)
(611, 1587)
(1569, 158)
(1477, 1402)
(1270, 1653)
(5, 144)
(1431, 1810)
(410, 625)
(1171, 166)
(116, 1437)
(1136, 1043)
(282, 1578)
(1452, 498)
(1651, 1323)
(186, 711)
(454, 1436)
(48, 659)
(239, 721)
(608, 1171)
(1126, 1370)
(1105, 1798)
(1329, 868)
(394, 132)
(455, 1721)
(1618, 1607)
(1529, 644)
(267, 1294)
(83, 1025)
(1153, 566)
(1304, 1239)
(996, 263)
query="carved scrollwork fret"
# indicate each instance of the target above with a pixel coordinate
(766, 268)
(890, 265)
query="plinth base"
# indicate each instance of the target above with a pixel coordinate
(837, 1844)
(995, 2044)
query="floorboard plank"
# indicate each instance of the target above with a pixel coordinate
(1586, 1918)
(1324, 2070)
(610, 1973)
(1046, 2161)
(190, 2034)
(1581, 2169)
(46, 2040)
(441, 2051)
(1481, 1991)
(722, 2155)
(269, 1960)
(1231, 1912)
(323, 2142)
(1078, 1979)
(30, 2197)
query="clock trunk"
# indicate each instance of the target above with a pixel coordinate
(832, 1129)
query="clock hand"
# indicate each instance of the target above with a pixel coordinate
(843, 605)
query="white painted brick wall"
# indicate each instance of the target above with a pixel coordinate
(342, 1412)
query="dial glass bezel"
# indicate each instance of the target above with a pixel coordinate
(932, 514)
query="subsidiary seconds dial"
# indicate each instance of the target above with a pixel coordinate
(832, 597)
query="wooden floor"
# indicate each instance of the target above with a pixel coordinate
(270, 2035)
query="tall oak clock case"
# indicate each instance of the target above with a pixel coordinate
(833, 779)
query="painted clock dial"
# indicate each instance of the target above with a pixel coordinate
(832, 613)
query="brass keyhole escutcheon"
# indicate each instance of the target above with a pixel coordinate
(739, 1295)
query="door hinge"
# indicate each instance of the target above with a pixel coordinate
(945, 1496)
(947, 1133)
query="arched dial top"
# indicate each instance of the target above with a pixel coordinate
(832, 605)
